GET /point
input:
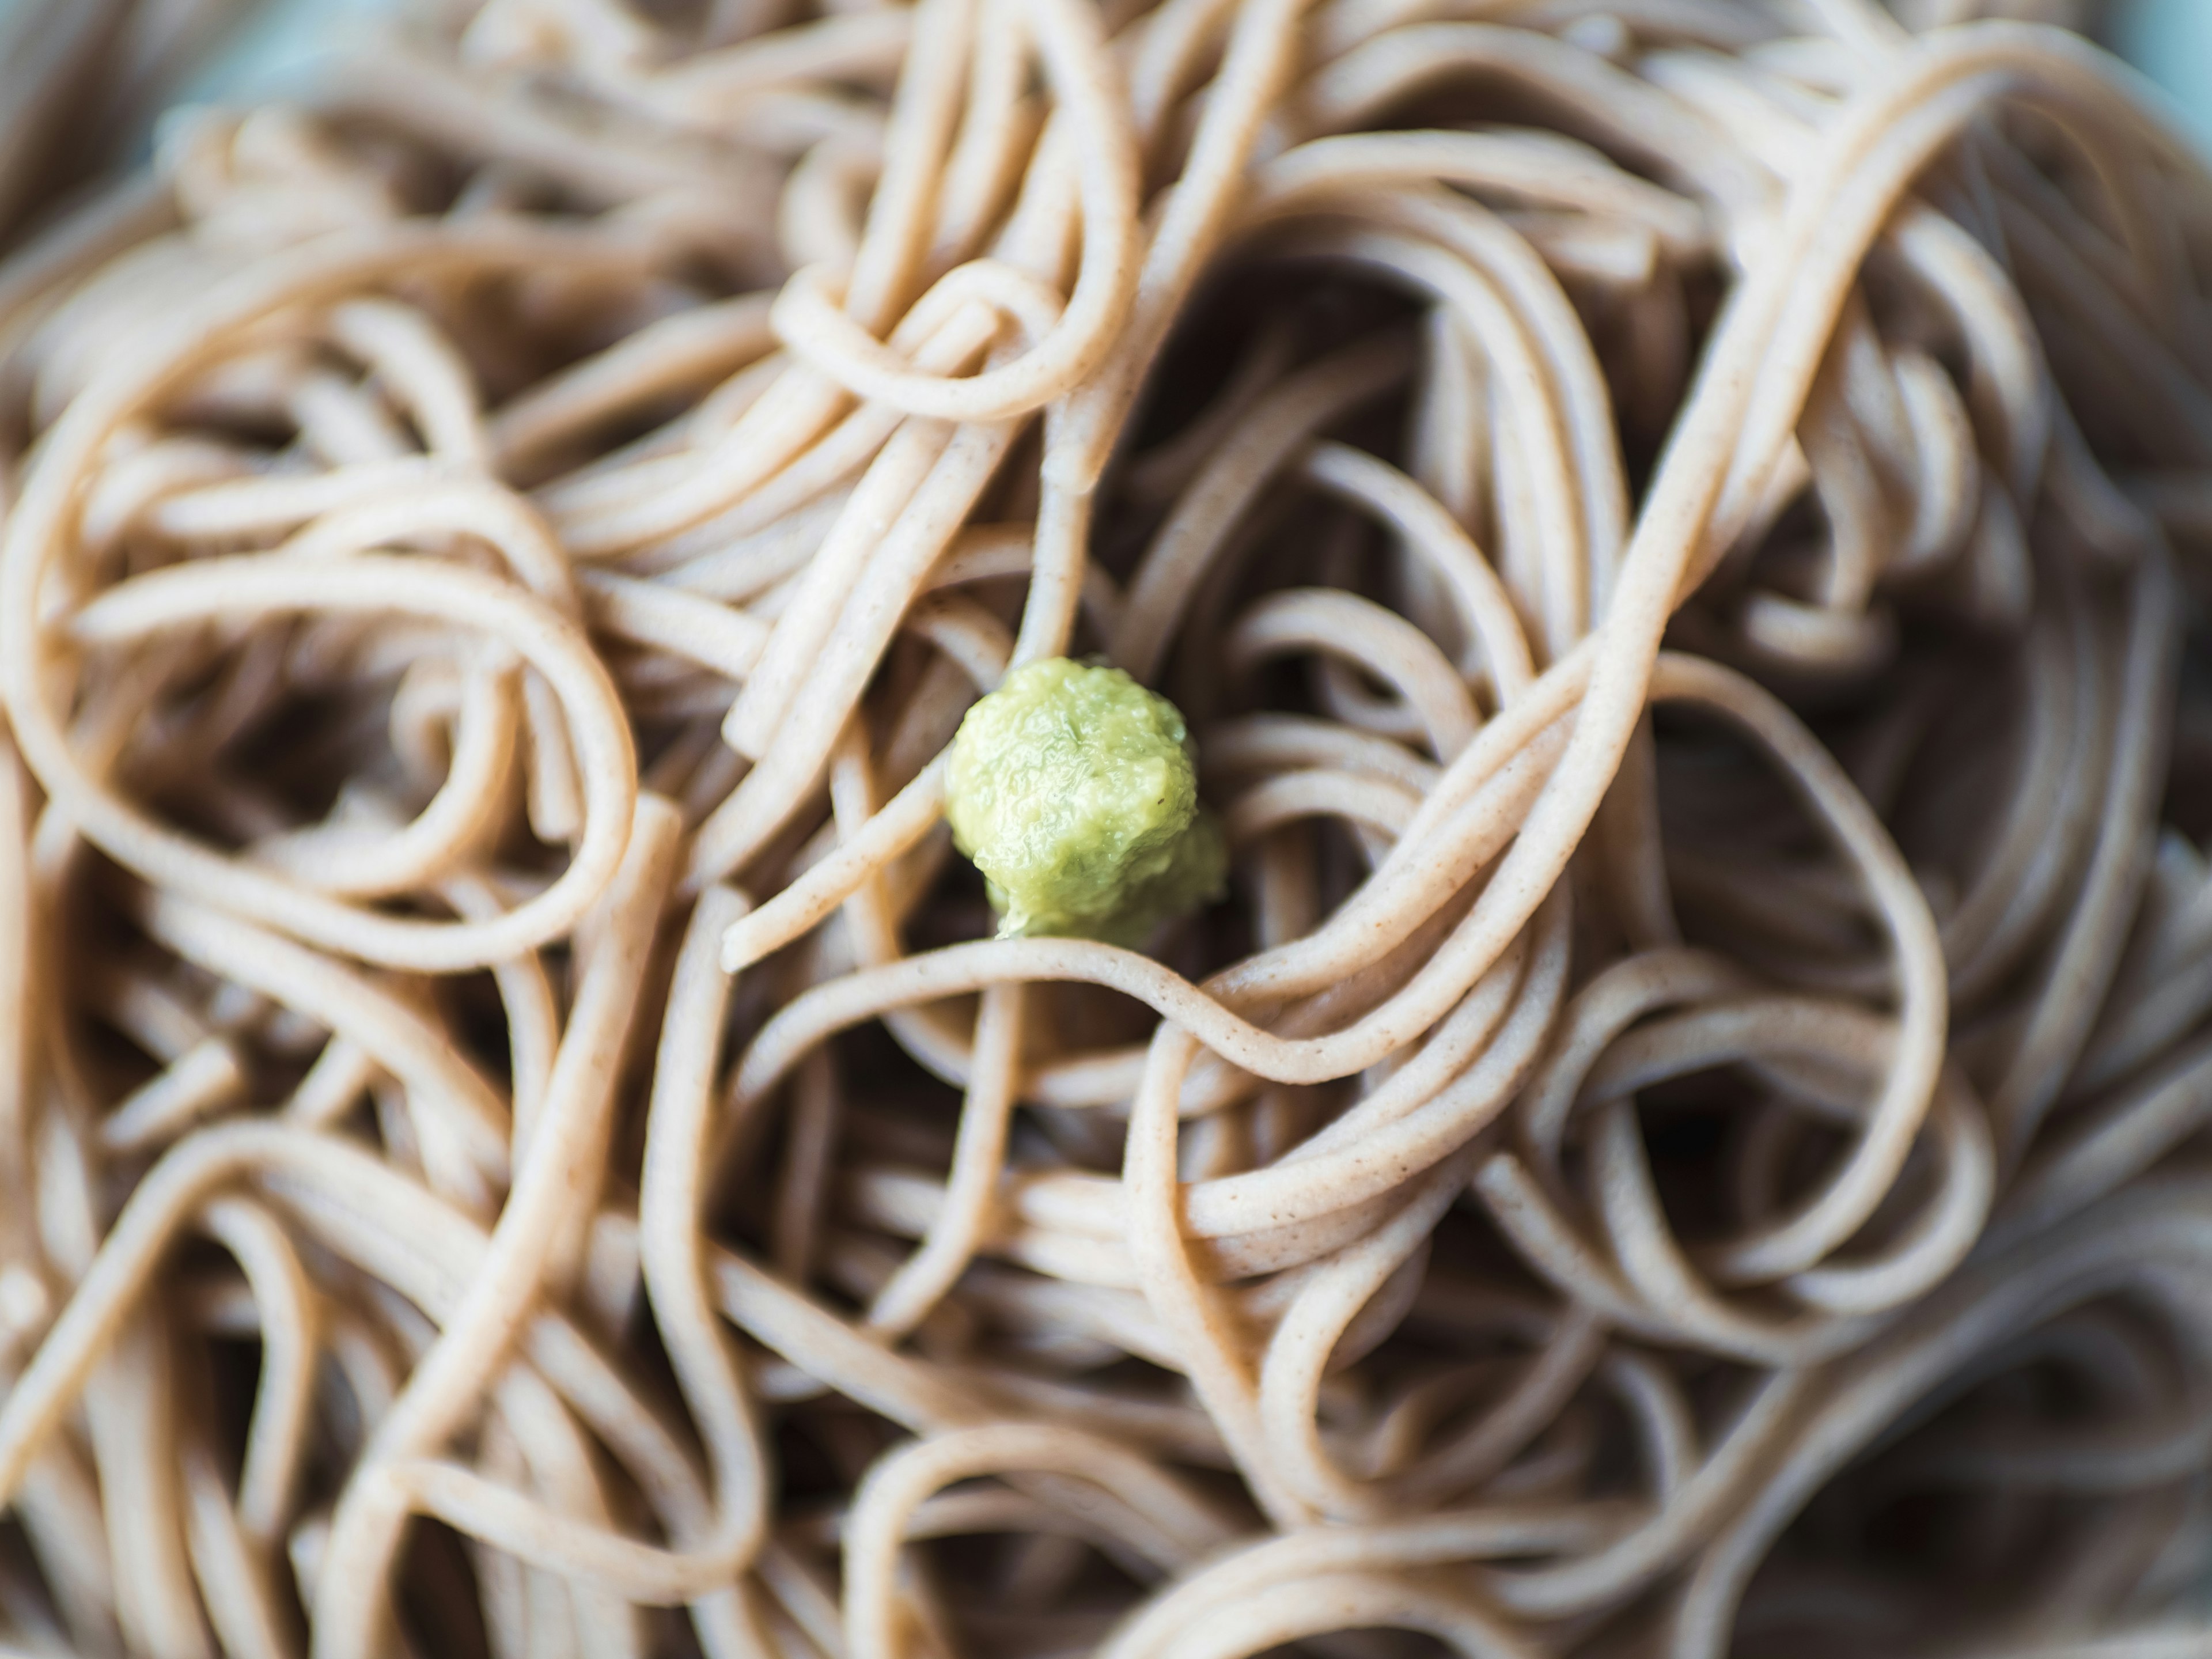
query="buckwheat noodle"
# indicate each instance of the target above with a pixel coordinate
(1679, 527)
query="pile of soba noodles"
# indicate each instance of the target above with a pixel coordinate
(1675, 527)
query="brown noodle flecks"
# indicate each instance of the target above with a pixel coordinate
(1677, 526)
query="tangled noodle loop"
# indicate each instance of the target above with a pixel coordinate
(1675, 527)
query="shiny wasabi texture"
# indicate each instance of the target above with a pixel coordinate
(1075, 791)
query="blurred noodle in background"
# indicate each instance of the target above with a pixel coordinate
(82, 82)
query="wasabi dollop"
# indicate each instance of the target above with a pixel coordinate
(1074, 790)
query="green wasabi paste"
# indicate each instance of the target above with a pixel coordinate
(1074, 790)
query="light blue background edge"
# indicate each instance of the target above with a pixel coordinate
(2170, 40)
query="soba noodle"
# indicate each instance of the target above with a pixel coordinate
(1677, 528)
